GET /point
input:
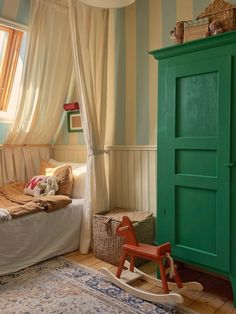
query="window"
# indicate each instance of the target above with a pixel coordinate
(12, 51)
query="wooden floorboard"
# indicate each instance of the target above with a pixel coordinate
(216, 297)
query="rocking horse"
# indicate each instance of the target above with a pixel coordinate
(158, 254)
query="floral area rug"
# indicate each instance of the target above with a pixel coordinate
(61, 286)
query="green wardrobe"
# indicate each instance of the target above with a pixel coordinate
(196, 173)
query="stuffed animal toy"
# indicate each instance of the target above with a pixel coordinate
(50, 187)
(214, 28)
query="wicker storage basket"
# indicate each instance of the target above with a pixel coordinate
(108, 246)
(221, 11)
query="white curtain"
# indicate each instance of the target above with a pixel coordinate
(89, 30)
(46, 75)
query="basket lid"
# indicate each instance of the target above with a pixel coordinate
(134, 215)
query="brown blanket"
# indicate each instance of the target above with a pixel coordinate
(17, 203)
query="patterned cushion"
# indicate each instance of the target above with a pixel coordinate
(32, 188)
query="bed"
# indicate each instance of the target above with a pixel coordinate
(36, 237)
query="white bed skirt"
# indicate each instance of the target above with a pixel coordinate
(33, 238)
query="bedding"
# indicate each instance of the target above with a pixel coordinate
(30, 239)
(45, 226)
(13, 199)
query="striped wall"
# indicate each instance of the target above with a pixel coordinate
(139, 28)
(70, 153)
(4, 128)
(143, 26)
(15, 10)
(63, 137)
(18, 11)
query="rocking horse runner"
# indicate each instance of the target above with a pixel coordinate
(159, 254)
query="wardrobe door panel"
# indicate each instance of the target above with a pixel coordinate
(197, 151)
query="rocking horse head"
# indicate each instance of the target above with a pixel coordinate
(125, 229)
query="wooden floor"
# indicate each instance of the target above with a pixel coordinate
(216, 297)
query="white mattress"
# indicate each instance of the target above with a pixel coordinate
(33, 238)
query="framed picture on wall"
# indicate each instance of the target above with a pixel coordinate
(74, 121)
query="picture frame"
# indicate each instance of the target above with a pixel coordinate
(74, 122)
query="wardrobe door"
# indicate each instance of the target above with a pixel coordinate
(195, 152)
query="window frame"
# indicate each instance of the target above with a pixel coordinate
(10, 61)
(7, 115)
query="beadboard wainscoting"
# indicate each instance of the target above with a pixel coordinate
(70, 153)
(132, 177)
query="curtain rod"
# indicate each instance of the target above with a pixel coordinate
(13, 24)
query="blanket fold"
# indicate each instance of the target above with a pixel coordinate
(17, 203)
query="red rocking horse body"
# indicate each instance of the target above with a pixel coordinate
(158, 254)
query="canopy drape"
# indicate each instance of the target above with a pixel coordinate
(47, 73)
(89, 30)
(46, 78)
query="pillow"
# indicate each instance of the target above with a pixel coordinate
(44, 165)
(65, 176)
(32, 188)
(79, 173)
